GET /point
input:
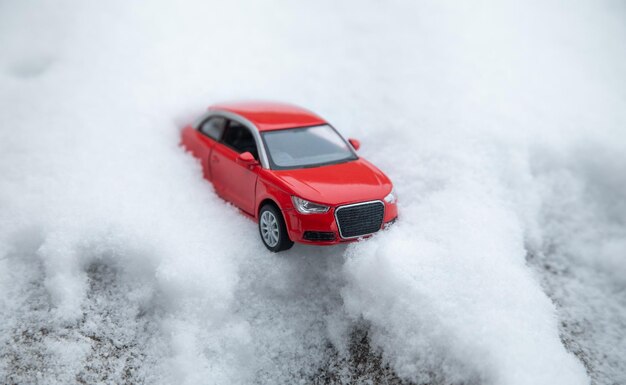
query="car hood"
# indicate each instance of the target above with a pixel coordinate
(349, 182)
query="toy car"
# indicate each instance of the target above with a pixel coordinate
(292, 172)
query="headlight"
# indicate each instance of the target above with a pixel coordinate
(306, 207)
(391, 198)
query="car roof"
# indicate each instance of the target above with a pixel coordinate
(268, 116)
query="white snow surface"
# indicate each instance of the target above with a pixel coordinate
(502, 125)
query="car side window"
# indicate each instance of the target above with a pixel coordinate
(239, 138)
(213, 127)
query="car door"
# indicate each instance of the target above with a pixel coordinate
(202, 140)
(233, 181)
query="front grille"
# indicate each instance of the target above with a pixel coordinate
(359, 219)
(319, 236)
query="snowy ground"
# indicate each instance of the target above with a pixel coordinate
(501, 124)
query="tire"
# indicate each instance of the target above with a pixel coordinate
(273, 230)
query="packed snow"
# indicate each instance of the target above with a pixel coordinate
(501, 124)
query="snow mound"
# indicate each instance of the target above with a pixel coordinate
(447, 290)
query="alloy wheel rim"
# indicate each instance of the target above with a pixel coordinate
(269, 228)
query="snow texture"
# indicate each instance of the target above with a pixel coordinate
(502, 125)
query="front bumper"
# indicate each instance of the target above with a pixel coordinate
(321, 229)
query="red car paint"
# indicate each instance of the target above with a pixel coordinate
(268, 116)
(249, 185)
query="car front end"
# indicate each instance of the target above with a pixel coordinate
(320, 224)
(327, 193)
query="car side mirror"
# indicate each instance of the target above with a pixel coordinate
(246, 159)
(355, 143)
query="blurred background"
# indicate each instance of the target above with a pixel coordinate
(502, 125)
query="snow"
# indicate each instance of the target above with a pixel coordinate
(501, 125)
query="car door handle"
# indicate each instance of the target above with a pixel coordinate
(215, 159)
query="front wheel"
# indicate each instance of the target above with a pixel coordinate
(273, 230)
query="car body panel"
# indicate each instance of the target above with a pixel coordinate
(233, 181)
(268, 116)
(200, 146)
(342, 183)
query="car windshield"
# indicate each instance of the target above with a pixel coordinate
(306, 147)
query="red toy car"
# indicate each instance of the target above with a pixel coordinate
(292, 172)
